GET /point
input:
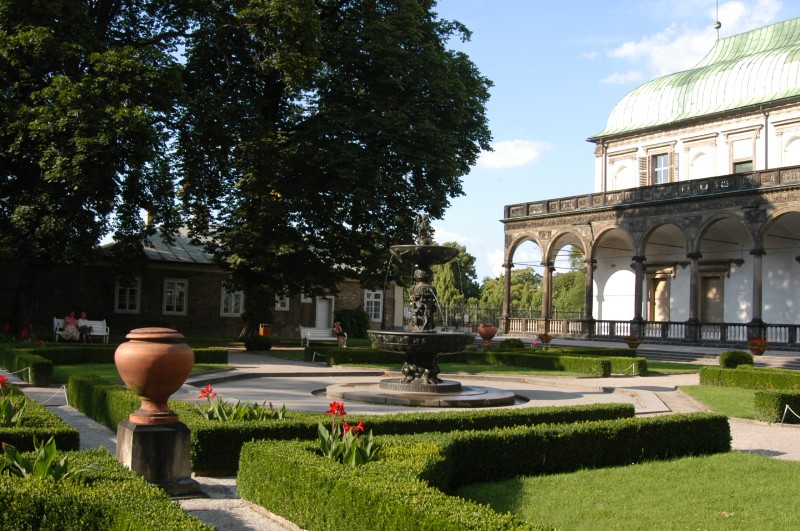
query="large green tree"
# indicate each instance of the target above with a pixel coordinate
(304, 134)
(316, 130)
(87, 96)
(456, 281)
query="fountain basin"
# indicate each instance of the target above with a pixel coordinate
(424, 254)
(422, 343)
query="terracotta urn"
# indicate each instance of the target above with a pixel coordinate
(487, 331)
(154, 364)
(757, 351)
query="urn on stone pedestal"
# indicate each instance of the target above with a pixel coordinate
(154, 364)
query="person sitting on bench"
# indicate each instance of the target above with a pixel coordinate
(84, 328)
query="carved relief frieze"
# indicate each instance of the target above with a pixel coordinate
(692, 222)
(568, 204)
(584, 201)
(516, 211)
(544, 235)
(535, 208)
(790, 176)
(769, 178)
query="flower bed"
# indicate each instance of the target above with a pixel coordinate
(40, 423)
(406, 487)
(216, 445)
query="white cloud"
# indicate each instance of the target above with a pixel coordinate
(495, 259)
(442, 235)
(621, 78)
(512, 154)
(681, 46)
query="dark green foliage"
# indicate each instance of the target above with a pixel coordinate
(40, 373)
(750, 378)
(103, 400)
(771, 405)
(355, 322)
(78, 354)
(112, 498)
(517, 358)
(405, 488)
(731, 359)
(336, 356)
(257, 343)
(512, 343)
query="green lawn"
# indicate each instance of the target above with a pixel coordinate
(729, 401)
(61, 373)
(724, 491)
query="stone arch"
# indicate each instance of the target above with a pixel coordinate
(780, 241)
(666, 275)
(515, 244)
(725, 269)
(614, 280)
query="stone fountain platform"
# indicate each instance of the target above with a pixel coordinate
(466, 396)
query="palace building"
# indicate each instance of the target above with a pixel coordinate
(693, 231)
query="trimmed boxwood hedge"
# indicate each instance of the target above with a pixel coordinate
(216, 445)
(113, 498)
(770, 405)
(16, 359)
(405, 488)
(38, 423)
(583, 362)
(748, 377)
(93, 353)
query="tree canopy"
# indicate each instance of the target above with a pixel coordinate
(301, 135)
(456, 281)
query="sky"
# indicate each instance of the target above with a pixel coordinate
(558, 69)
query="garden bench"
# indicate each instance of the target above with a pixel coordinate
(308, 334)
(99, 328)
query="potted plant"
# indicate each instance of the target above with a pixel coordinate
(487, 331)
(757, 346)
(632, 340)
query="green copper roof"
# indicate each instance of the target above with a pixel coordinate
(759, 66)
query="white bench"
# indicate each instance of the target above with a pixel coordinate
(308, 334)
(99, 328)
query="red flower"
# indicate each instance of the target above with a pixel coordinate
(39, 342)
(3, 381)
(23, 335)
(356, 428)
(336, 409)
(207, 392)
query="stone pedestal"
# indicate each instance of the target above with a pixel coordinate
(158, 452)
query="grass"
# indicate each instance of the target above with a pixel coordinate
(730, 401)
(723, 491)
(61, 373)
(287, 354)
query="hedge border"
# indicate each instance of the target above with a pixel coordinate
(405, 488)
(771, 404)
(748, 377)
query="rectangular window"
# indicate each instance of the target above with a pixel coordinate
(305, 299)
(743, 166)
(232, 303)
(281, 304)
(126, 295)
(175, 296)
(659, 172)
(373, 305)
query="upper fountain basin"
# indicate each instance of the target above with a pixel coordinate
(416, 343)
(423, 254)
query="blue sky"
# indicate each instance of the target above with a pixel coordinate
(558, 69)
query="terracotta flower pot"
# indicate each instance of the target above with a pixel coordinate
(487, 331)
(757, 351)
(154, 364)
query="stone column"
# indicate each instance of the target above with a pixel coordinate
(547, 292)
(755, 328)
(693, 323)
(507, 297)
(587, 327)
(638, 294)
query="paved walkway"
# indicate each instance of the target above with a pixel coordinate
(300, 386)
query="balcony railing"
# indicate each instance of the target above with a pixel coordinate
(722, 334)
(681, 190)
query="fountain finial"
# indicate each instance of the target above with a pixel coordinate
(424, 230)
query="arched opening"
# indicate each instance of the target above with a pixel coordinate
(781, 270)
(666, 275)
(614, 280)
(725, 273)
